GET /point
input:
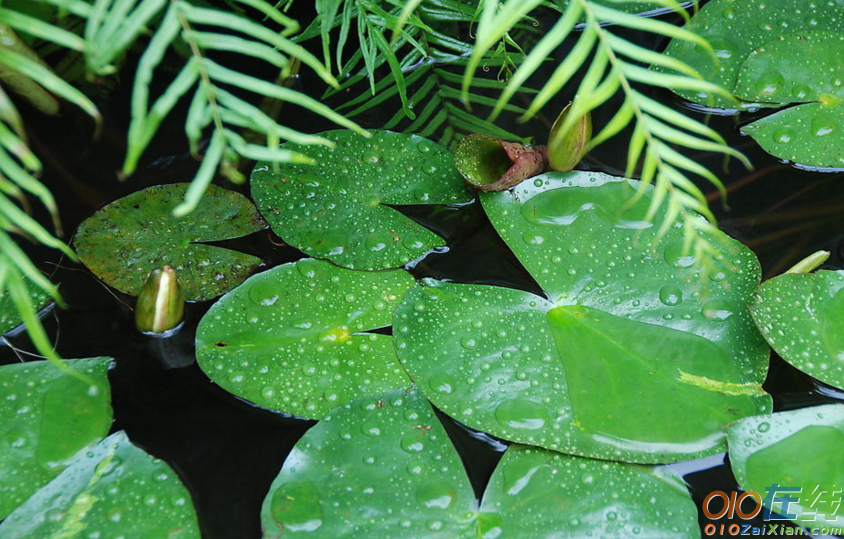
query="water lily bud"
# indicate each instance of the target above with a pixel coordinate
(566, 149)
(490, 164)
(161, 303)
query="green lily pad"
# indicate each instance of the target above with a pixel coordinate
(9, 317)
(297, 338)
(132, 236)
(737, 28)
(46, 417)
(384, 467)
(114, 490)
(800, 449)
(338, 209)
(799, 68)
(802, 317)
(625, 359)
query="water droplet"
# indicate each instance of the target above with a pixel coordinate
(521, 414)
(769, 83)
(718, 309)
(783, 135)
(677, 256)
(764, 426)
(671, 295)
(442, 383)
(822, 125)
(413, 444)
(436, 494)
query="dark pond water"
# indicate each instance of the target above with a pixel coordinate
(225, 450)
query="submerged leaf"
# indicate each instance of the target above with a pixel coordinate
(339, 209)
(123, 242)
(114, 490)
(794, 461)
(628, 358)
(298, 338)
(802, 317)
(384, 467)
(46, 417)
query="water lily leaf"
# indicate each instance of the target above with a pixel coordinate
(625, 359)
(46, 417)
(801, 454)
(297, 338)
(802, 317)
(136, 234)
(379, 467)
(9, 316)
(799, 68)
(339, 208)
(114, 490)
(736, 28)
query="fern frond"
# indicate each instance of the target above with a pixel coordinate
(617, 65)
(406, 54)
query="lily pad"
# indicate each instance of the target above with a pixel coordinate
(339, 208)
(626, 357)
(800, 454)
(9, 317)
(46, 417)
(802, 317)
(384, 467)
(737, 28)
(297, 338)
(114, 490)
(799, 68)
(130, 237)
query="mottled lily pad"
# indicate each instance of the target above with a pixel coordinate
(297, 338)
(132, 236)
(46, 417)
(801, 68)
(384, 467)
(800, 454)
(737, 28)
(340, 208)
(114, 490)
(627, 357)
(9, 316)
(802, 317)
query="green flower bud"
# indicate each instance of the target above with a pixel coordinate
(161, 303)
(568, 140)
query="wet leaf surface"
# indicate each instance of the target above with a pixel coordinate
(339, 208)
(799, 68)
(801, 449)
(802, 317)
(737, 28)
(9, 317)
(385, 467)
(297, 338)
(114, 490)
(46, 417)
(123, 242)
(626, 359)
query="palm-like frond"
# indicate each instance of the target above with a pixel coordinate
(421, 61)
(617, 65)
(19, 169)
